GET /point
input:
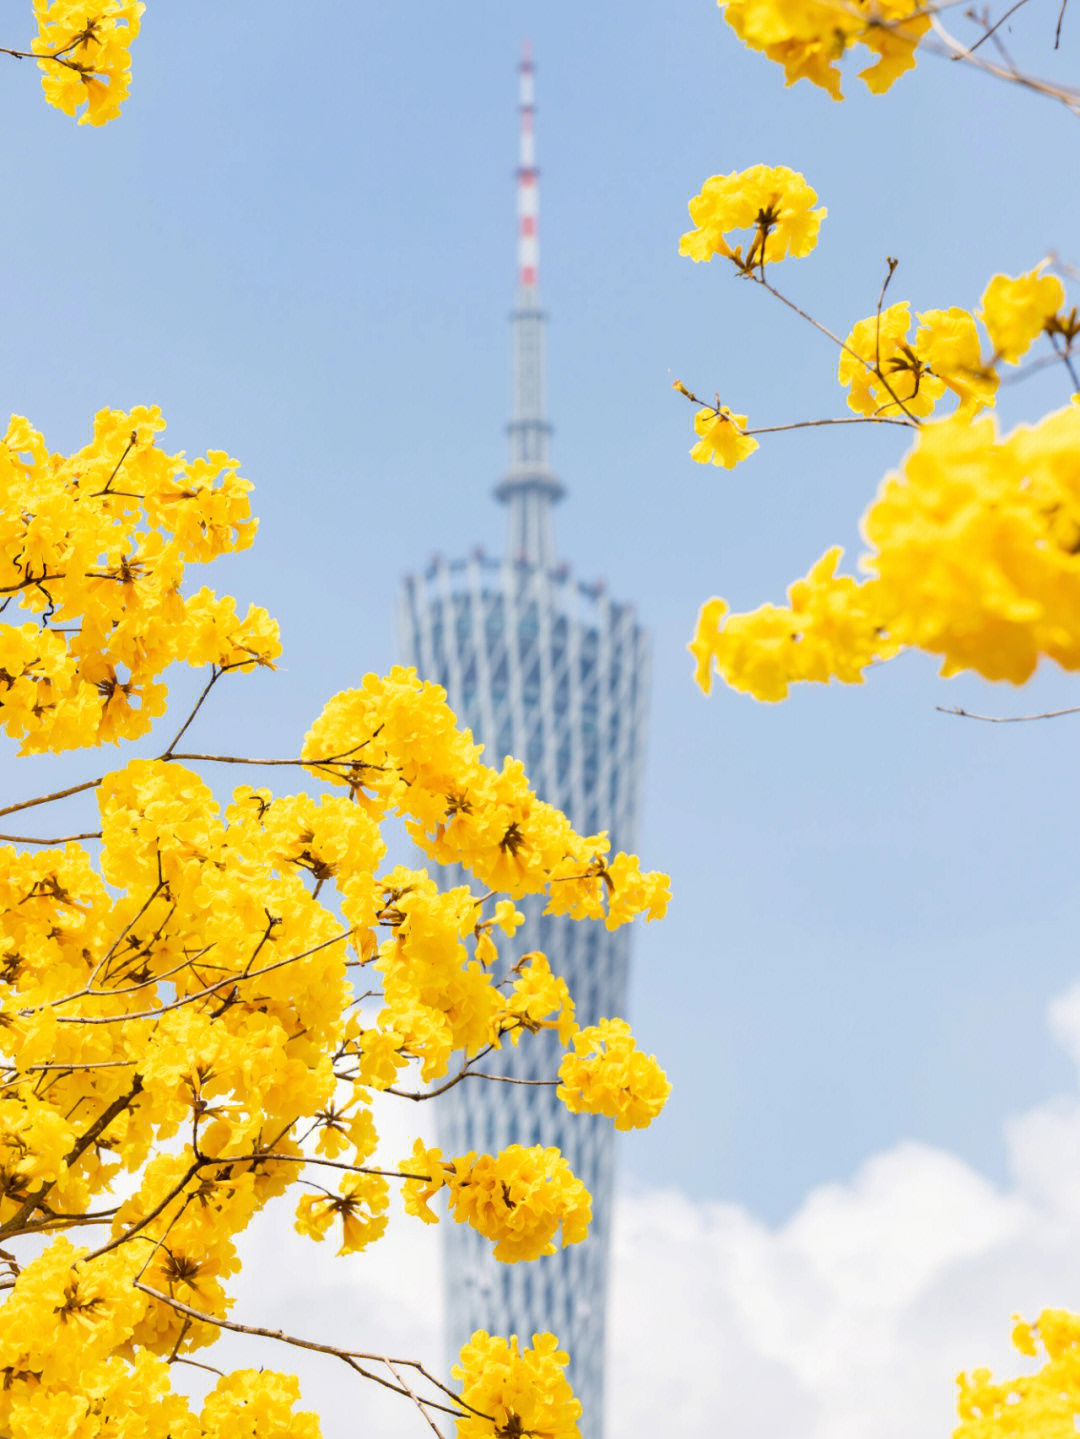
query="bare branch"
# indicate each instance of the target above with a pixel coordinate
(1007, 719)
(352, 1357)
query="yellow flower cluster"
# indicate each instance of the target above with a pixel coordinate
(975, 556)
(538, 1000)
(512, 1394)
(888, 373)
(394, 744)
(518, 1199)
(809, 38)
(67, 1337)
(360, 1205)
(181, 1006)
(439, 1000)
(608, 1074)
(85, 50)
(771, 200)
(1036, 1406)
(96, 546)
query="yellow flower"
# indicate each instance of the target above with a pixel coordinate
(360, 1205)
(607, 1074)
(947, 342)
(721, 438)
(1015, 310)
(508, 1392)
(881, 369)
(771, 200)
(85, 47)
(809, 38)
(888, 373)
(519, 1199)
(256, 1402)
(537, 995)
(416, 1192)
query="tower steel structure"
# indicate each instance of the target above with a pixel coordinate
(551, 670)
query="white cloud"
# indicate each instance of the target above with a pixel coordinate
(851, 1319)
(854, 1317)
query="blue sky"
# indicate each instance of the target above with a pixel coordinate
(299, 243)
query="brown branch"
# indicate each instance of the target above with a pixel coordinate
(57, 794)
(431, 1093)
(242, 759)
(58, 55)
(90, 1064)
(215, 675)
(349, 1356)
(260, 1156)
(795, 425)
(33, 839)
(174, 1193)
(988, 31)
(104, 1119)
(233, 979)
(116, 468)
(328, 761)
(955, 49)
(1007, 719)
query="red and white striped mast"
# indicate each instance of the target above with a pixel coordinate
(529, 487)
(528, 192)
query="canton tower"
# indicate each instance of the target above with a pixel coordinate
(552, 671)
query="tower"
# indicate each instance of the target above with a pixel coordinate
(552, 671)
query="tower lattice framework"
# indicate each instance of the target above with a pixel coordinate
(552, 671)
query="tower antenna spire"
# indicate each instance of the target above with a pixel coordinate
(528, 176)
(529, 488)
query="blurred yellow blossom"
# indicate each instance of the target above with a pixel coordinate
(1015, 310)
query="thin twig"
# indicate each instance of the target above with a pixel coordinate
(1066, 360)
(230, 979)
(350, 1356)
(1007, 719)
(116, 470)
(90, 1064)
(57, 794)
(215, 675)
(259, 1156)
(987, 34)
(417, 1401)
(890, 272)
(953, 47)
(245, 759)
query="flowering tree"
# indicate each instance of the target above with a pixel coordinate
(972, 543)
(183, 1037)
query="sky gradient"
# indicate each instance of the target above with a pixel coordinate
(300, 244)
